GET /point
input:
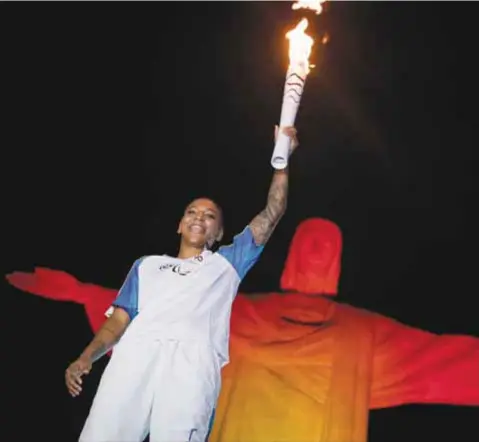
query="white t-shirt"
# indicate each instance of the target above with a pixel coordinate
(187, 299)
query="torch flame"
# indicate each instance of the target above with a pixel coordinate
(300, 45)
(314, 5)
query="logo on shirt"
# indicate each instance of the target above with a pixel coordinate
(175, 268)
(183, 269)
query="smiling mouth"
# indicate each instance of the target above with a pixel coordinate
(195, 228)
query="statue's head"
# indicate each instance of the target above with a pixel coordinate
(313, 264)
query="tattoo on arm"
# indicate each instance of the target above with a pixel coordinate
(101, 344)
(105, 339)
(265, 222)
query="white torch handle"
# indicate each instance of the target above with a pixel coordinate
(293, 89)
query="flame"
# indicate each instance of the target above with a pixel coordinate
(300, 45)
(314, 5)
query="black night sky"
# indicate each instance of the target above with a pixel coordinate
(116, 115)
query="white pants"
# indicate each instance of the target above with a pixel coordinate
(166, 388)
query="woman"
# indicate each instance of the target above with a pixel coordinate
(170, 328)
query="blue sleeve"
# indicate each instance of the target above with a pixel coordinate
(243, 253)
(127, 297)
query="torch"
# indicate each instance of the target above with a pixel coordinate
(300, 45)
